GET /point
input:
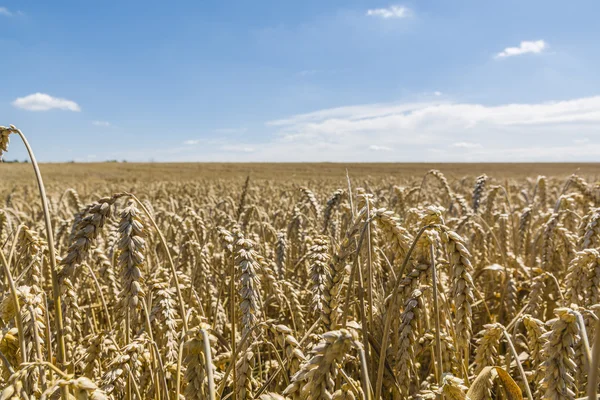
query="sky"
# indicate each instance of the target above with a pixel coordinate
(310, 80)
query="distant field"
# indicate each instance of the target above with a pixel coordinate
(116, 172)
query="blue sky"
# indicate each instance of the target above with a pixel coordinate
(302, 80)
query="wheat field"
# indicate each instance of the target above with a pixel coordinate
(298, 281)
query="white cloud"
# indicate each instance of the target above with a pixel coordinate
(525, 47)
(191, 142)
(436, 93)
(376, 147)
(466, 145)
(434, 131)
(365, 111)
(581, 141)
(105, 124)
(6, 12)
(45, 102)
(390, 12)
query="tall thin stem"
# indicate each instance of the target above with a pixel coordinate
(364, 375)
(208, 365)
(594, 365)
(52, 256)
(127, 341)
(233, 317)
(102, 300)
(518, 362)
(436, 310)
(369, 284)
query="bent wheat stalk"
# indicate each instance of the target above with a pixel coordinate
(51, 248)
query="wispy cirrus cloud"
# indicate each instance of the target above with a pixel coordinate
(439, 130)
(434, 131)
(390, 12)
(6, 12)
(45, 102)
(525, 47)
(104, 124)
